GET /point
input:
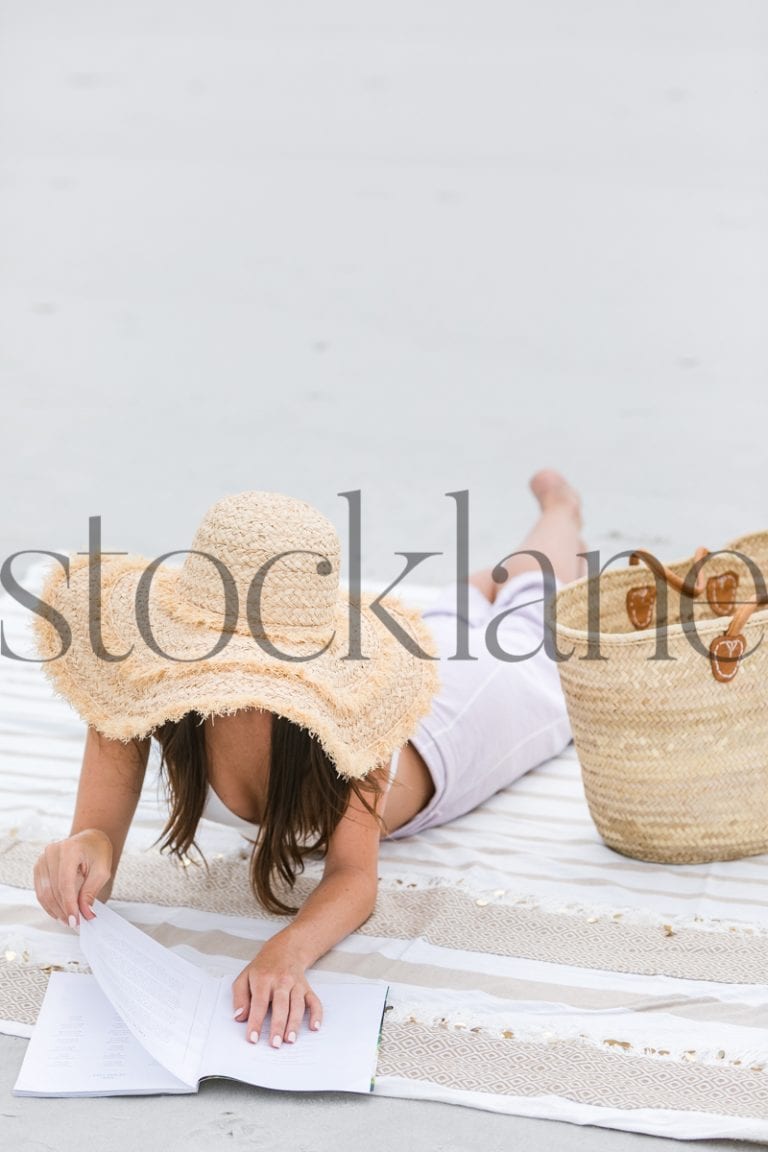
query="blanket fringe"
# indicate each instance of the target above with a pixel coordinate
(625, 914)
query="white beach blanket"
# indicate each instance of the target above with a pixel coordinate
(532, 970)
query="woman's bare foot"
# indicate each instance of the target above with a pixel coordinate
(552, 490)
(557, 534)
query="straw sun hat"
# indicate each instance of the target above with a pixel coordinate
(360, 709)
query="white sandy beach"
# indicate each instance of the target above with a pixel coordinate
(410, 249)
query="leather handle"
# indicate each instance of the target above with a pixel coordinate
(742, 614)
(675, 581)
(725, 650)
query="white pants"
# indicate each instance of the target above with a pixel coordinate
(492, 720)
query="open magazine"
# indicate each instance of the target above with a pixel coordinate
(147, 1021)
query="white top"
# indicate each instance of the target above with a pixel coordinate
(216, 810)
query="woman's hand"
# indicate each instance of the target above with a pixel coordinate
(275, 977)
(340, 903)
(69, 874)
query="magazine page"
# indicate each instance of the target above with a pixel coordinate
(165, 1001)
(341, 1056)
(80, 1046)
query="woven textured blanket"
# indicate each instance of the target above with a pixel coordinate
(532, 970)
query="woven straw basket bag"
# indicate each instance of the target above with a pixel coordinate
(671, 724)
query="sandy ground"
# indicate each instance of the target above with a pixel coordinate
(407, 249)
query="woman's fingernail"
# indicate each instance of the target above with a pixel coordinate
(316, 1025)
(73, 922)
(237, 1013)
(254, 1037)
(291, 1037)
(276, 1041)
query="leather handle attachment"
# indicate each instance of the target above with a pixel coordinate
(726, 650)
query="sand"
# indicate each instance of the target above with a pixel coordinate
(409, 250)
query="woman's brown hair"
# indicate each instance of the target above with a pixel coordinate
(306, 798)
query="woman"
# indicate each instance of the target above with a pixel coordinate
(289, 741)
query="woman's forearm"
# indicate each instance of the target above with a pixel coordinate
(341, 902)
(108, 793)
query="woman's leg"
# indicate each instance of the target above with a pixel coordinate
(557, 533)
(501, 712)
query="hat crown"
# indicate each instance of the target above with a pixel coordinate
(280, 549)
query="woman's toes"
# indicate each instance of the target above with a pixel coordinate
(551, 488)
(547, 482)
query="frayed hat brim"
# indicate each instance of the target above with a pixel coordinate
(359, 709)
